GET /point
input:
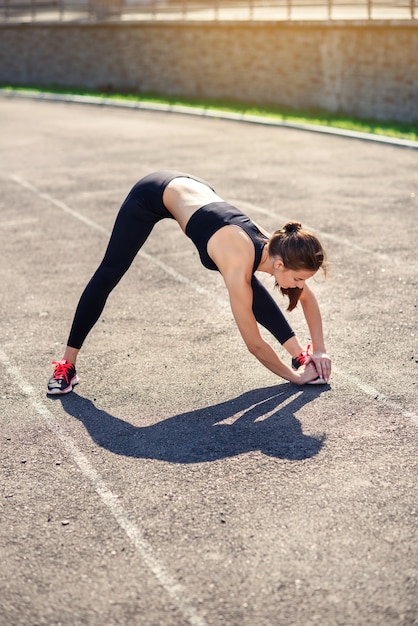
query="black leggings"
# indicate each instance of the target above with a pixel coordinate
(133, 225)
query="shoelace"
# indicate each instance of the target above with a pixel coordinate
(303, 356)
(61, 369)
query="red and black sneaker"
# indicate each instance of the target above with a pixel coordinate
(63, 379)
(300, 360)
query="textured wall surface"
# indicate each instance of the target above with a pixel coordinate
(368, 69)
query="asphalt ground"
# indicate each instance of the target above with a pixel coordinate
(181, 482)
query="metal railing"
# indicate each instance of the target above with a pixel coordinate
(18, 11)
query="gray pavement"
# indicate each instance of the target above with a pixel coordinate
(182, 483)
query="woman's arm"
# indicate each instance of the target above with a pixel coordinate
(313, 318)
(241, 299)
(233, 252)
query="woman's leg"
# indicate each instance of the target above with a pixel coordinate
(132, 227)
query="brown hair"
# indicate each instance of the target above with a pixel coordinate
(299, 250)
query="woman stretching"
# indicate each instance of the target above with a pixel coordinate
(229, 242)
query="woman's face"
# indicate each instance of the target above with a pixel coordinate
(287, 278)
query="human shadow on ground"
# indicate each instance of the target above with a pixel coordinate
(261, 419)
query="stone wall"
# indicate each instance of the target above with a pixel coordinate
(366, 69)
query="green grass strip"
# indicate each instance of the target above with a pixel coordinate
(393, 129)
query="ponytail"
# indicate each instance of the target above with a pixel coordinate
(293, 293)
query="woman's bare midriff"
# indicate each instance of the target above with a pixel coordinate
(184, 196)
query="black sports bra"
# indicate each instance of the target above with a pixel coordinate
(210, 218)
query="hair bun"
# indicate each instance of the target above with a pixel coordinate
(292, 227)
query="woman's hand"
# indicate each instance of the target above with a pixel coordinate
(306, 373)
(322, 364)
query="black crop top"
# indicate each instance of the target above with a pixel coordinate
(210, 218)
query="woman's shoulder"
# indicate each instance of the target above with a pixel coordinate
(232, 250)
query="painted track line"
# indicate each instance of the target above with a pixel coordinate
(109, 499)
(364, 387)
(166, 268)
(320, 233)
(25, 221)
(376, 395)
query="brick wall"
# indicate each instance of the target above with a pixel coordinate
(367, 69)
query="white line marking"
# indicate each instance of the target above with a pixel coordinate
(60, 205)
(23, 221)
(366, 389)
(321, 233)
(376, 395)
(64, 207)
(169, 270)
(143, 547)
